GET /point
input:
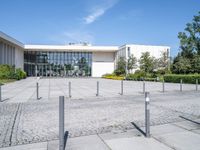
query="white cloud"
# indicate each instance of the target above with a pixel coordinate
(98, 11)
(93, 16)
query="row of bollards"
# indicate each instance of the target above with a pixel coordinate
(121, 93)
(163, 86)
(144, 87)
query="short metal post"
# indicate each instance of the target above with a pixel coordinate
(143, 86)
(197, 84)
(97, 94)
(181, 85)
(147, 114)
(122, 87)
(37, 90)
(61, 123)
(163, 86)
(0, 94)
(70, 95)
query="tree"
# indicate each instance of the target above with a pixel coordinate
(163, 62)
(121, 66)
(182, 65)
(190, 39)
(131, 63)
(147, 62)
(196, 64)
(188, 61)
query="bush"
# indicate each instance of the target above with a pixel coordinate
(20, 74)
(8, 72)
(112, 76)
(175, 78)
(140, 76)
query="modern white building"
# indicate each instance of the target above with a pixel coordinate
(69, 60)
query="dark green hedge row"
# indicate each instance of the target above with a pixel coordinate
(9, 72)
(175, 78)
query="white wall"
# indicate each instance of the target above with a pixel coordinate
(102, 63)
(19, 58)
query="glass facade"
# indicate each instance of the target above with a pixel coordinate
(42, 63)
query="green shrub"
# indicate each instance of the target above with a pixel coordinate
(20, 74)
(140, 76)
(9, 72)
(175, 78)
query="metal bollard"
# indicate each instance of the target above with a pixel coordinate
(143, 87)
(37, 90)
(0, 94)
(163, 86)
(147, 114)
(197, 84)
(97, 94)
(122, 87)
(61, 123)
(181, 85)
(70, 95)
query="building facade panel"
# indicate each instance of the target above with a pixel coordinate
(19, 57)
(102, 63)
(101, 68)
(7, 54)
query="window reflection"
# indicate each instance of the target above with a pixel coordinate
(57, 63)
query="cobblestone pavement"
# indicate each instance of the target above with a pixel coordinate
(31, 120)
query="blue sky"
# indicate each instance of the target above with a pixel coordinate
(100, 22)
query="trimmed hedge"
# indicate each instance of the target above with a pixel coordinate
(112, 76)
(175, 78)
(9, 72)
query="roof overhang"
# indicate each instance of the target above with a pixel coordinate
(11, 40)
(71, 48)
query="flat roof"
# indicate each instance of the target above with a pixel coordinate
(71, 48)
(125, 45)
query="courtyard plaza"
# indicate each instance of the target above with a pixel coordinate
(106, 120)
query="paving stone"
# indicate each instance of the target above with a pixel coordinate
(137, 143)
(181, 140)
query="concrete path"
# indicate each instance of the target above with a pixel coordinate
(184, 135)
